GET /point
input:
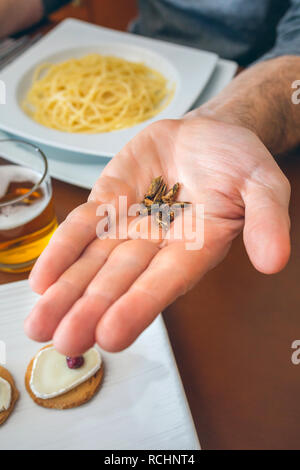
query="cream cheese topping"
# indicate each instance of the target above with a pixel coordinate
(52, 377)
(5, 395)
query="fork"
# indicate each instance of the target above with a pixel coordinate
(11, 48)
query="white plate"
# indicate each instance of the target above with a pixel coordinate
(83, 170)
(188, 68)
(141, 404)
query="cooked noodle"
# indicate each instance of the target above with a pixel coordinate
(96, 94)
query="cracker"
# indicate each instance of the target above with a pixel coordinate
(4, 415)
(73, 398)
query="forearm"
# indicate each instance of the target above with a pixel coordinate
(260, 99)
(16, 15)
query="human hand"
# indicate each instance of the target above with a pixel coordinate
(109, 291)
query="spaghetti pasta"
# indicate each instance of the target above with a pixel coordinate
(95, 94)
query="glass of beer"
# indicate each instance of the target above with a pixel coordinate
(27, 217)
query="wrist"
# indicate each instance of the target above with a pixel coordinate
(228, 114)
(259, 99)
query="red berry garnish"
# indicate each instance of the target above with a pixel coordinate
(75, 362)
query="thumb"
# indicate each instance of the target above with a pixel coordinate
(267, 226)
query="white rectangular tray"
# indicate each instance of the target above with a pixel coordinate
(141, 405)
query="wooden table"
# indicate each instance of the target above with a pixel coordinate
(232, 339)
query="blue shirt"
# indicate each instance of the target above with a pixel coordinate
(242, 30)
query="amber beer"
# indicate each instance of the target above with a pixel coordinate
(27, 217)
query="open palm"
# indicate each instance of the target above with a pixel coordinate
(109, 291)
